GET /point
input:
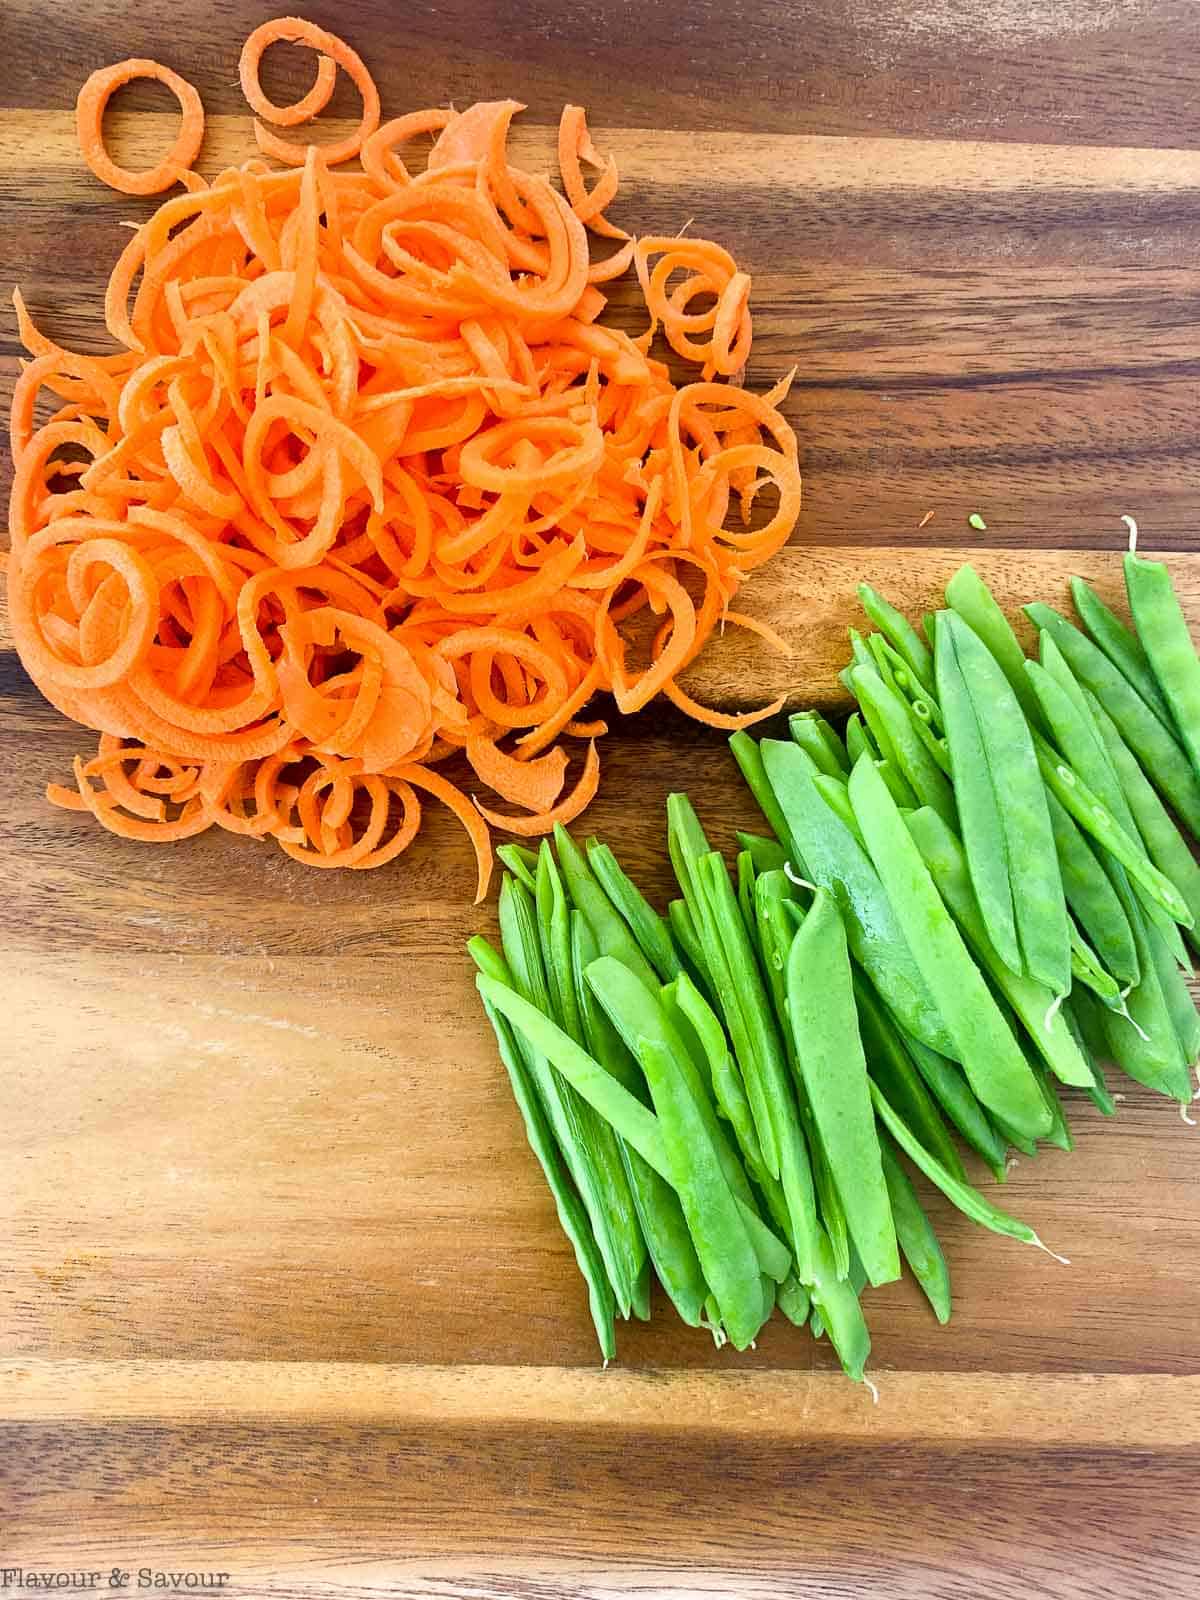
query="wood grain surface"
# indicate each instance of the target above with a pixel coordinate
(282, 1293)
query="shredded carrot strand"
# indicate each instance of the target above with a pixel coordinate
(370, 487)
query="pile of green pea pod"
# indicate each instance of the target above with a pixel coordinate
(974, 896)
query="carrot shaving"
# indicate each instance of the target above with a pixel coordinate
(89, 116)
(370, 486)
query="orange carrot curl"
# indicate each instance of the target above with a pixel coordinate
(369, 486)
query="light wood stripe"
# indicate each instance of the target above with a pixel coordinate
(660, 155)
(1111, 1411)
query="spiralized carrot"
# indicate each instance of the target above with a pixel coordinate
(89, 117)
(370, 487)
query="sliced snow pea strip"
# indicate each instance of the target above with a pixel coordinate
(723, 1246)
(1154, 743)
(860, 652)
(811, 731)
(1096, 819)
(640, 1017)
(918, 1242)
(1163, 632)
(728, 1090)
(1033, 1002)
(1145, 1043)
(891, 1066)
(834, 859)
(768, 854)
(571, 1214)
(745, 890)
(968, 1200)
(664, 1227)
(612, 934)
(1091, 896)
(683, 930)
(835, 1303)
(981, 1039)
(757, 1022)
(974, 602)
(748, 755)
(821, 1009)
(896, 627)
(858, 739)
(775, 905)
(652, 932)
(538, 942)
(1164, 843)
(1122, 647)
(1030, 856)
(857, 677)
(520, 861)
(925, 777)
(955, 1096)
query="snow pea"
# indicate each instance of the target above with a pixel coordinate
(1122, 647)
(1163, 632)
(918, 1242)
(652, 932)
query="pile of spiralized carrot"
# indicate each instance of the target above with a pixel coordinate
(368, 484)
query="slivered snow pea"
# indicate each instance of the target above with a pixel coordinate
(1164, 843)
(1163, 632)
(968, 1200)
(834, 793)
(981, 1039)
(1091, 896)
(520, 861)
(1089, 1035)
(745, 890)
(970, 597)
(571, 1214)
(1097, 820)
(892, 1068)
(836, 861)
(926, 718)
(728, 1089)
(768, 854)
(812, 732)
(588, 1144)
(775, 906)
(724, 945)
(899, 631)
(1146, 1045)
(835, 1302)
(918, 1242)
(953, 1093)
(820, 997)
(1032, 1001)
(1155, 744)
(748, 755)
(752, 1004)
(664, 1227)
(612, 933)
(652, 932)
(925, 777)
(808, 736)
(684, 932)
(1122, 647)
(1029, 855)
(723, 1246)
(639, 1017)
(898, 785)
(860, 651)
(858, 739)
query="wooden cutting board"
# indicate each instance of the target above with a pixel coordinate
(282, 1294)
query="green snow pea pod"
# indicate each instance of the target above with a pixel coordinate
(748, 755)
(1155, 744)
(1122, 647)
(652, 932)
(1163, 632)
(836, 861)
(981, 1039)
(612, 933)
(728, 1089)
(835, 1302)
(1145, 1044)
(768, 854)
(953, 1093)
(857, 737)
(926, 780)
(1006, 828)
(970, 597)
(1091, 896)
(1033, 1002)
(821, 1009)
(918, 1242)
(520, 861)
(813, 733)
(572, 1216)
(897, 629)
(792, 1299)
